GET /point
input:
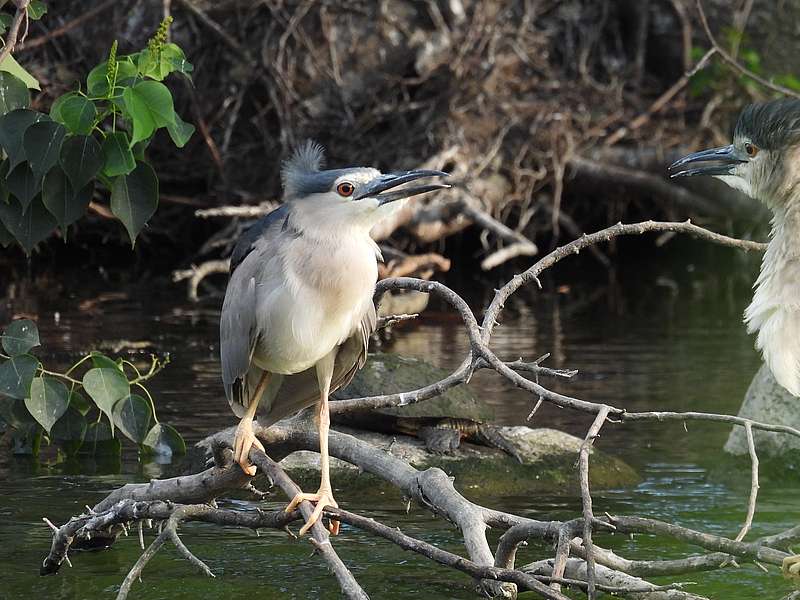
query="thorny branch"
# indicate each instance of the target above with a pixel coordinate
(590, 568)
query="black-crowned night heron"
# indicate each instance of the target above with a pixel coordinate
(298, 309)
(764, 162)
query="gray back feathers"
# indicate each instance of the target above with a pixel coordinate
(772, 125)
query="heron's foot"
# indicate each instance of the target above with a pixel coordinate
(791, 567)
(323, 498)
(245, 439)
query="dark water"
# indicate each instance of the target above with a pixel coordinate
(664, 332)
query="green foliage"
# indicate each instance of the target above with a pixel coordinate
(92, 139)
(718, 78)
(42, 403)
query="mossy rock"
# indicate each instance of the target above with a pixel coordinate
(391, 373)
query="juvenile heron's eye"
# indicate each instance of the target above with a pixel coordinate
(750, 149)
(345, 189)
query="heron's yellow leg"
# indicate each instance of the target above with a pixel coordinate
(791, 566)
(324, 496)
(245, 438)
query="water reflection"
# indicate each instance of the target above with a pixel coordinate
(655, 333)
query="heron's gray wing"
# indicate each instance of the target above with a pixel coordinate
(238, 335)
(301, 390)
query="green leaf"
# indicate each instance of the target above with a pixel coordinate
(10, 65)
(99, 432)
(5, 20)
(22, 184)
(101, 361)
(30, 227)
(149, 106)
(15, 413)
(106, 387)
(134, 198)
(81, 159)
(164, 439)
(180, 131)
(13, 93)
(49, 400)
(70, 430)
(97, 80)
(12, 128)
(75, 112)
(36, 9)
(117, 156)
(20, 336)
(132, 415)
(79, 403)
(59, 198)
(173, 60)
(16, 375)
(42, 145)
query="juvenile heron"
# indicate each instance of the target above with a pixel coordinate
(298, 309)
(764, 162)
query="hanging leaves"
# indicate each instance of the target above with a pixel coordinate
(48, 400)
(66, 205)
(106, 387)
(149, 105)
(16, 375)
(13, 93)
(12, 127)
(20, 336)
(81, 158)
(132, 415)
(28, 227)
(42, 144)
(134, 198)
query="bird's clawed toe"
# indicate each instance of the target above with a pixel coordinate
(245, 439)
(321, 499)
(791, 567)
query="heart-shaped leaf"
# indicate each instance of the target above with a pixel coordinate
(22, 184)
(48, 400)
(14, 412)
(117, 156)
(13, 93)
(76, 112)
(16, 375)
(180, 131)
(149, 106)
(12, 128)
(36, 9)
(79, 403)
(70, 430)
(81, 159)
(20, 336)
(132, 415)
(106, 387)
(11, 65)
(64, 204)
(42, 144)
(30, 227)
(102, 361)
(164, 440)
(134, 198)
(97, 80)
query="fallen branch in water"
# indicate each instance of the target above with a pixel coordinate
(578, 562)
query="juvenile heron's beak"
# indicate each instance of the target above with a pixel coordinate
(377, 188)
(724, 159)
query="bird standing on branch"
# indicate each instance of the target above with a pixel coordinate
(298, 308)
(764, 162)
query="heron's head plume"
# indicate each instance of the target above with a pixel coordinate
(341, 198)
(764, 159)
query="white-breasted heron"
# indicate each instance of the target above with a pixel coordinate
(298, 309)
(764, 162)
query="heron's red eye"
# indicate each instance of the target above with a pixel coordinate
(750, 149)
(345, 189)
